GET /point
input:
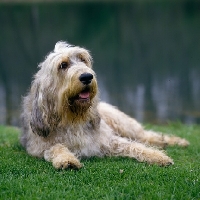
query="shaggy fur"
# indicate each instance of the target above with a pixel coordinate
(64, 121)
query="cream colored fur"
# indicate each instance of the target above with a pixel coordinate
(64, 121)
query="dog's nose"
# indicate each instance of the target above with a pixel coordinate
(86, 78)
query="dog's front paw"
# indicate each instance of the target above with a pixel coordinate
(154, 156)
(164, 161)
(66, 161)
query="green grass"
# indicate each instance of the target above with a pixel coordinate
(25, 177)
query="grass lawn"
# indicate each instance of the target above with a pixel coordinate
(25, 177)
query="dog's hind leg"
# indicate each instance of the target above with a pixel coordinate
(126, 126)
(162, 140)
(61, 157)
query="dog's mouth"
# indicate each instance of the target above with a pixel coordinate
(82, 97)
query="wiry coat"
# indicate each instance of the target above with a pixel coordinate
(63, 119)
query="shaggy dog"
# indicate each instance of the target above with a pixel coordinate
(64, 121)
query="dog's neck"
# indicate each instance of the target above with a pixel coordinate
(80, 114)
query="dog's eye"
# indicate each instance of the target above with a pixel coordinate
(63, 65)
(82, 59)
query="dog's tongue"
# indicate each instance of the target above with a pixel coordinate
(84, 95)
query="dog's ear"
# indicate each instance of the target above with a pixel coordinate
(38, 122)
(43, 117)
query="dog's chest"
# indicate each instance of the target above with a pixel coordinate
(82, 140)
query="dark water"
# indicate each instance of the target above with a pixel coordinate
(146, 55)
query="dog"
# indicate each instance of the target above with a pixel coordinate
(63, 119)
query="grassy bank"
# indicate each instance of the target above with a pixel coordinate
(25, 177)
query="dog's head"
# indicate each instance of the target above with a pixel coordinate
(64, 89)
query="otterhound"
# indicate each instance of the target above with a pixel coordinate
(64, 121)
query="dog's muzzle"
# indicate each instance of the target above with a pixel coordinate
(86, 78)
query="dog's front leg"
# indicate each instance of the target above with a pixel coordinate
(123, 147)
(61, 157)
